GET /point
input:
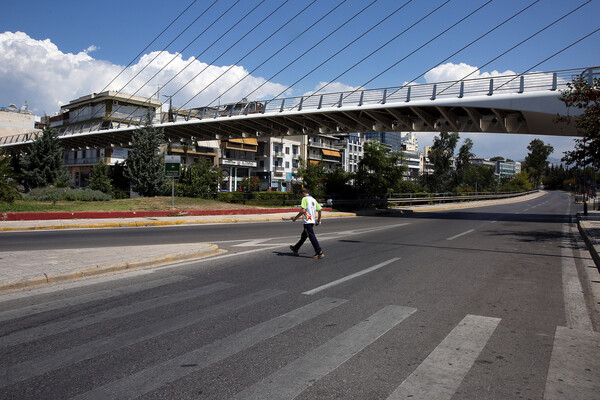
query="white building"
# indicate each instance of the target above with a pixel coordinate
(350, 146)
(412, 156)
(278, 161)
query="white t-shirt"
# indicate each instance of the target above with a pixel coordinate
(310, 207)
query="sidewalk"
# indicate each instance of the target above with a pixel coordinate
(20, 269)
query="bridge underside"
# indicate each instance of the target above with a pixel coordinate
(510, 114)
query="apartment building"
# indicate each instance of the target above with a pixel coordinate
(237, 161)
(350, 146)
(278, 162)
(100, 111)
(322, 148)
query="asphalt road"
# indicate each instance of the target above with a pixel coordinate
(482, 303)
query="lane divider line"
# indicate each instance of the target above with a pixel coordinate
(349, 277)
(460, 234)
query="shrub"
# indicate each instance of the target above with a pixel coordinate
(65, 194)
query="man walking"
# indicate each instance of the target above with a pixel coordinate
(311, 214)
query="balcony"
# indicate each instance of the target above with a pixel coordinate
(83, 161)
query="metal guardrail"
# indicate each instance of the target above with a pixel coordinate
(530, 82)
(425, 198)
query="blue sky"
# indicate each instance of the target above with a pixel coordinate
(54, 52)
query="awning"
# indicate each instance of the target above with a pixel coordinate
(331, 153)
(314, 162)
(250, 141)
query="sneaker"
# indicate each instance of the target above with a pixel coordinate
(293, 250)
(320, 255)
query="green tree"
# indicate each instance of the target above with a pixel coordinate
(313, 177)
(8, 184)
(463, 162)
(536, 161)
(201, 179)
(145, 164)
(583, 94)
(479, 178)
(100, 179)
(440, 156)
(250, 184)
(42, 163)
(519, 183)
(380, 171)
(337, 184)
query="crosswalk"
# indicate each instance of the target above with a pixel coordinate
(437, 376)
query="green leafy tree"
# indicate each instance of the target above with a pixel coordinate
(479, 178)
(250, 184)
(313, 177)
(42, 163)
(440, 156)
(380, 171)
(145, 164)
(8, 184)
(463, 161)
(519, 183)
(337, 184)
(201, 180)
(100, 179)
(536, 161)
(583, 95)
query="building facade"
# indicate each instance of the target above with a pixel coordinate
(100, 111)
(14, 121)
(350, 146)
(278, 162)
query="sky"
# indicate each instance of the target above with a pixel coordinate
(216, 51)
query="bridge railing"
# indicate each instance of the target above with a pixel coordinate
(537, 81)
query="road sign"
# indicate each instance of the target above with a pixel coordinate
(173, 166)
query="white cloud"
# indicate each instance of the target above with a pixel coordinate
(37, 71)
(90, 49)
(454, 72)
(333, 87)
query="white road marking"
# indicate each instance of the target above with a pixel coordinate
(349, 277)
(441, 373)
(176, 368)
(461, 234)
(574, 365)
(291, 380)
(575, 309)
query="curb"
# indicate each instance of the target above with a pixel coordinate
(589, 242)
(134, 224)
(87, 272)
(38, 216)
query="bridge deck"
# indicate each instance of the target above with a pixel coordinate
(519, 104)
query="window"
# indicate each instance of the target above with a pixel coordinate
(287, 150)
(287, 164)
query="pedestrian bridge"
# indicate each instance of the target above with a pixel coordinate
(518, 104)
